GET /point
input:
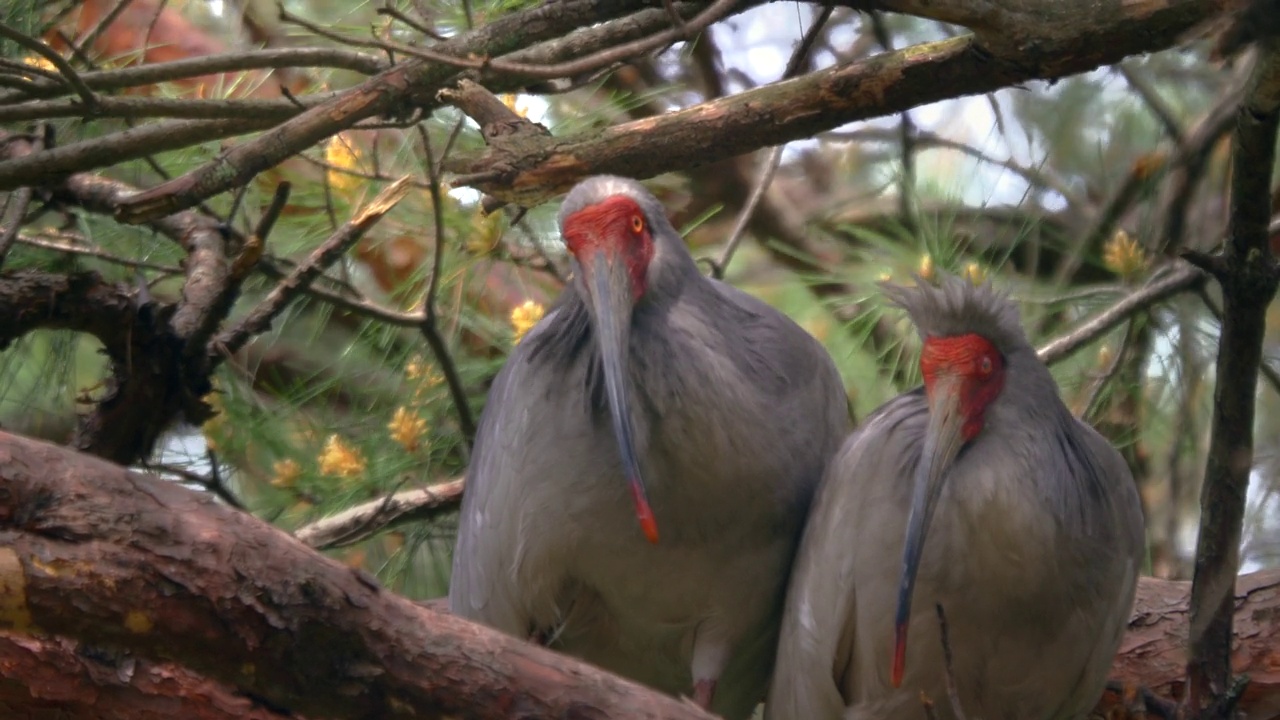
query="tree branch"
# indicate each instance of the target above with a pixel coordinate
(1157, 290)
(412, 82)
(56, 677)
(1249, 276)
(789, 110)
(368, 519)
(187, 68)
(142, 568)
(259, 319)
(93, 552)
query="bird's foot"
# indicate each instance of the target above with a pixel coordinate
(540, 637)
(1139, 702)
(703, 692)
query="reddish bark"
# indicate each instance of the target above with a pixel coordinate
(44, 678)
(118, 559)
(203, 608)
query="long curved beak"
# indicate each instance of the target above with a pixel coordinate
(609, 288)
(942, 441)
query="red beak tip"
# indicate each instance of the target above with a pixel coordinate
(899, 657)
(644, 513)
(650, 528)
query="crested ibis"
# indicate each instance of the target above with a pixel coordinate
(981, 493)
(645, 462)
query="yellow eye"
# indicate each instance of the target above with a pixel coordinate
(637, 224)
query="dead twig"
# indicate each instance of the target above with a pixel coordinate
(368, 519)
(430, 327)
(770, 165)
(1159, 288)
(69, 74)
(259, 319)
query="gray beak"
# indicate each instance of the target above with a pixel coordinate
(609, 290)
(942, 442)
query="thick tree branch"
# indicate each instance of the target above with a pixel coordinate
(59, 678)
(91, 551)
(144, 354)
(1249, 276)
(145, 570)
(790, 110)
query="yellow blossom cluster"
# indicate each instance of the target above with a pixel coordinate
(340, 154)
(407, 428)
(339, 459)
(216, 426)
(516, 104)
(524, 317)
(1123, 255)
(926, 270)
(285, 473)
(486, 231)
(39, 61)
(974, 273)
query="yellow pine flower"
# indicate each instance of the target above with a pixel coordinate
(407, 428)
(516, 104)
(39, 61)
(1123, 255)
(974, 273)
(340, 154)
(339, 459)
(285, 473)
(416, 368)
(216, 426)
(817, 327)
(524, 317)
(1105, 356)
(486, 230)
(926, 270)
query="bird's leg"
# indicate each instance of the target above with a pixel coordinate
(704, 691)
(710, 655)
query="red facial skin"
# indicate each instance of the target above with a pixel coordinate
(977, 363)
(617, 226)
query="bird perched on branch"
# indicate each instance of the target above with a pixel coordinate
(978, 492)
(645, 463)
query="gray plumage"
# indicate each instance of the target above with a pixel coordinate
(736, 411)
(1033, 551)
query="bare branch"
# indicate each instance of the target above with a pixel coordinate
(430, 328)
(1249, 276)
(187, 68)
(1157, 290)
(366, 520)
(825, 99)
(52, 163)
(69, 73)
(259, 319)
(774, 158)
(413, 80)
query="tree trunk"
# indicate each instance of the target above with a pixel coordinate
(178, 606)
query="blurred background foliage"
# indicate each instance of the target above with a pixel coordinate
(1068, 195)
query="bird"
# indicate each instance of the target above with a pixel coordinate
(978, 493)
(644, 464)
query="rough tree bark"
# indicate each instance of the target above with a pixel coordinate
(169, 597)
(93, 552)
